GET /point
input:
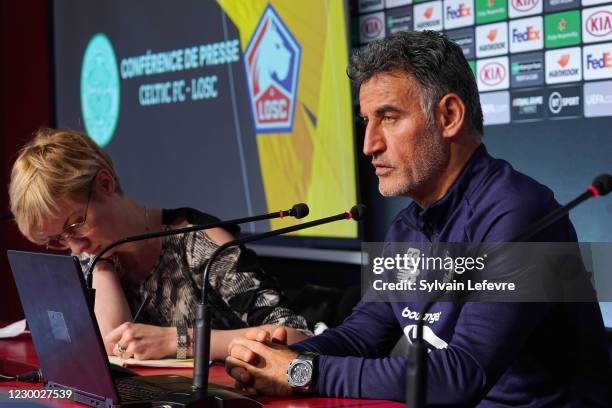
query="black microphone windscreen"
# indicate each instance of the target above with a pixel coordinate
(603, 184)
(358, 212)
(300, 210)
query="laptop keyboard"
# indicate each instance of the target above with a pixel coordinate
(132, 390)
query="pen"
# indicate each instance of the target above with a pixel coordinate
(144, 302)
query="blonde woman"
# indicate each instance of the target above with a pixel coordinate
(65, 194)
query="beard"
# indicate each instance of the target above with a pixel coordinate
(429, 159)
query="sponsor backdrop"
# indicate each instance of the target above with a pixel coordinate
(544, 71)
(229, 107)
(513, 44)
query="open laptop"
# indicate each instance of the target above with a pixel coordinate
(69, 345)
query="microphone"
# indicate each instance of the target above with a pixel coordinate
(601, 186)
(416, 376)
(202, 325)
(298, 211)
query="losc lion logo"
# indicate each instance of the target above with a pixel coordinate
(272, 61)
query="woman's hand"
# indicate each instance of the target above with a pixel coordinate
(141, 341)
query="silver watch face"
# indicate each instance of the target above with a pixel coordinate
(300, 373)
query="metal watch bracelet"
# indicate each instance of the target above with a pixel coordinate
(182, 341)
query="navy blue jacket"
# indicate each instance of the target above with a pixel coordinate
(482, 354)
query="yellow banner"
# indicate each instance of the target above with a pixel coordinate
(315, 162)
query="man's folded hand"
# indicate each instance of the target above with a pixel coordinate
(260, 361)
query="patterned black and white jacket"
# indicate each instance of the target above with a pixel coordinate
(241, 294)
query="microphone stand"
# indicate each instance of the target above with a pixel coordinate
(600, 187)
(202, 327)
(416, 372)
(298, 211)
(199, 396)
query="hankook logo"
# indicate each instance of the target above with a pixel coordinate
(563, 60)
(491, 39)
(428, 16)
(563, 65)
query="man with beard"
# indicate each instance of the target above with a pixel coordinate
(423, 129)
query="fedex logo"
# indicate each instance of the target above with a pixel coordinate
(597, 24)
(272, 61)
(526, 34)
(597, 61)
(462, 11)
(458, 13)
(530, 34)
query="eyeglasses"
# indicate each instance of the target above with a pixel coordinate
(72, 231)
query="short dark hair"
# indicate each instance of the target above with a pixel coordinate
(436, 63)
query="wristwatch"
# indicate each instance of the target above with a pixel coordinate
(301, 371)
(182, 341)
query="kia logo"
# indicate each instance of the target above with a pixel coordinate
(492, 73)
(371, 27)
(599, 24)
(524, 5)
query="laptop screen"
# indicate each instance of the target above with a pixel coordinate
(64, 330)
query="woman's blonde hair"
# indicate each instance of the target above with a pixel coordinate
(55, 165)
